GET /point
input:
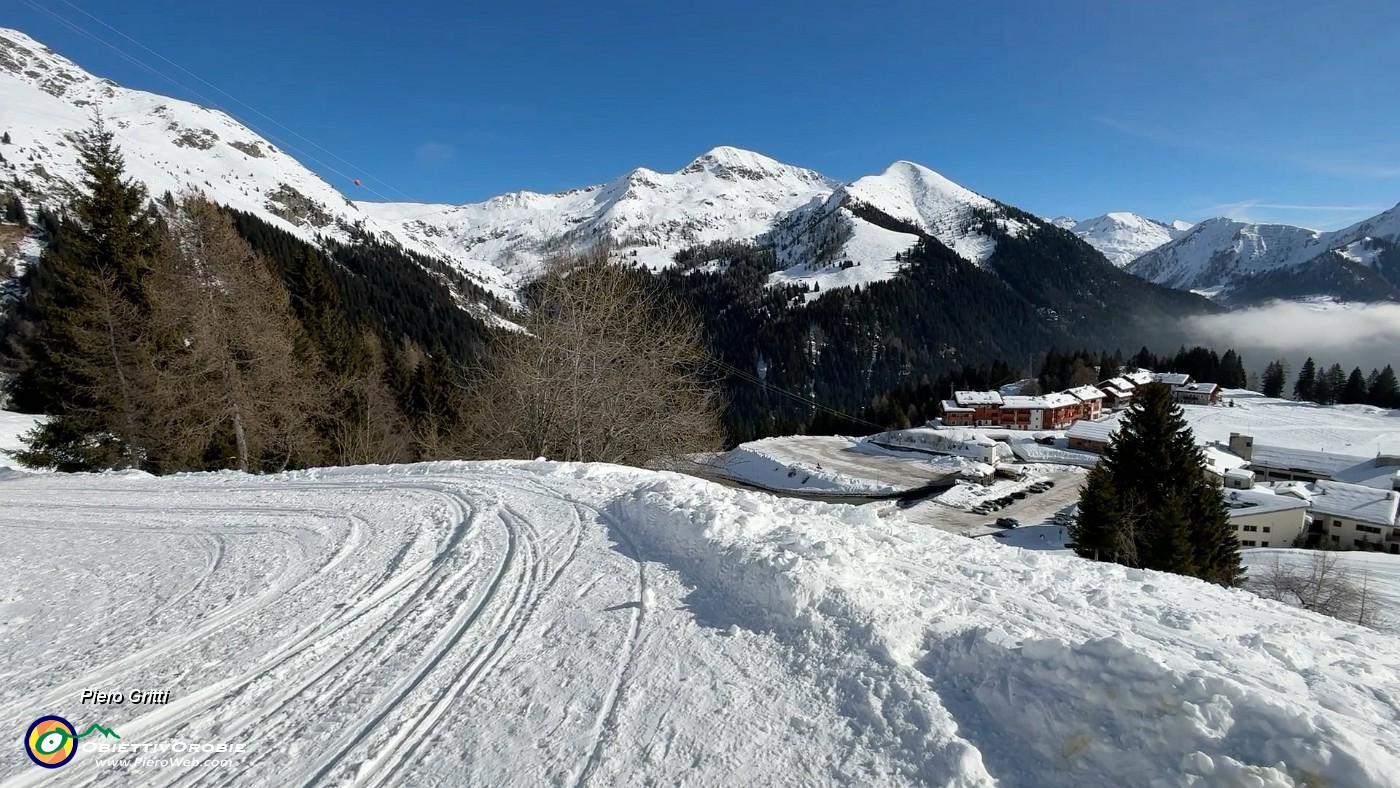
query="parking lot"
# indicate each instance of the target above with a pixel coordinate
(1034, 509)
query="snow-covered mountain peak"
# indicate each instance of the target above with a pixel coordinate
(1123, 236)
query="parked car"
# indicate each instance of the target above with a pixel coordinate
(1019, 494)
(1008, 522)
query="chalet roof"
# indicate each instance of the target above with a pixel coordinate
(1022, 403)
(1099, 431)
(1246, 502)
(1173, 378)
(1085, 393)
(1198, 388)
(949, 406)
(1242, 474)
(1059, 399)
(1122, 384)
(966, 398)
(1317, 463)
(1140, 377)
(1354, 502)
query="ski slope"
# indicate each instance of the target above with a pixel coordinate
(545, 624)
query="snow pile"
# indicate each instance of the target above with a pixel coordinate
(751, 464)
(1051, 670)
(961, 443)
(12, 427)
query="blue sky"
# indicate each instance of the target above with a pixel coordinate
(1286, 111)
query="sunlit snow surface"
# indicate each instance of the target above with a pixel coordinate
(534, 623)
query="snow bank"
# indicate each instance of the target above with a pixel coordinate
(1034, 668)
(12, 426)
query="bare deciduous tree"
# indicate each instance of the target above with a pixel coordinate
(238, 372)
(607, 370)
(1322, 584)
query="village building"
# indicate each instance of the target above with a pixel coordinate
(1091, 436)
(1196, 394)
(986, 406)
(1354, 517)
(1263, 519)
(1090, 401)
(1173, 379)
(1118, 392)
(955, 415)
(1140, 377)
(1278, 463)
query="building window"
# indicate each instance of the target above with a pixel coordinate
(1263, 544)
(1247, 542)
(1251, 528)
(1370, 529)
(1266, 529)
(1356, 543)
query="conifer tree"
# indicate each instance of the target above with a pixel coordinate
(1305, 388)
(1355, 390)
(1275, 377)
(82, 357)
(1330, 384)
(14, 211)
(1148, 503)
(1385, 391)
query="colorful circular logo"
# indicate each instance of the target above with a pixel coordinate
(51, 741)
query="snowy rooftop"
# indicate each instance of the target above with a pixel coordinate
(1260, 502)
(1085, 393)
(966, 398)
(1173, 378)
(1316, 462)
(1121, 384)
(1200, 388)
(949, 406)
(1354, 502)
(1220, 460)
(1093, 430)
(1139, 377)
(1240, 473)
(1059, 399)
(1023, 403)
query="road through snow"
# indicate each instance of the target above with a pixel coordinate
(542, 624)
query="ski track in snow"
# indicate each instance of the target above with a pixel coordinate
(546, 624)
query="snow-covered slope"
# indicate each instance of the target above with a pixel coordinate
(169, 145)
(725, 194)
(1219, 255)
(1124, 237)
(543, 624)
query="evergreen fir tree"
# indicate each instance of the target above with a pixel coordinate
(82, 357)
(1275, 377)
(1355, 390)
(1305, 388)
(1385, 391)
(1232, 374)
(1330, 384)
(5, 138)
(1148, 503)
(14, 211)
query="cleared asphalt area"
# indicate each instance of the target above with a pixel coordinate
(1034, 509)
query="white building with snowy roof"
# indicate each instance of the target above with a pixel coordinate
(1354, 517)
(1090, 401)
(1263, 519)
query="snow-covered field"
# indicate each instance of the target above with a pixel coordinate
(1359, 430)
(1380, 571)
(537, 623)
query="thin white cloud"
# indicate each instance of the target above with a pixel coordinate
(1318, 216)
(432, 154)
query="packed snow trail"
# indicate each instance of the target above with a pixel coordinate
(546, 624)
